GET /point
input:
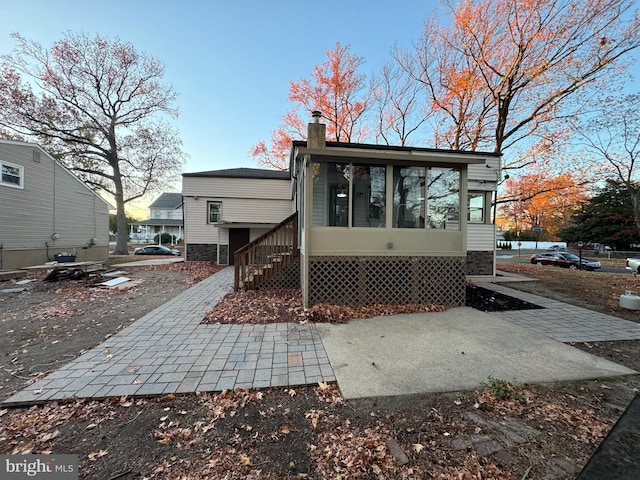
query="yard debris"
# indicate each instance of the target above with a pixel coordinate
(114, 282)
(285, 305)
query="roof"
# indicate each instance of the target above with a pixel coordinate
(167, 222)
(259, 173)
(167, 200)
(398, 148)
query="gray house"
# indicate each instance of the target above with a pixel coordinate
(46, 210)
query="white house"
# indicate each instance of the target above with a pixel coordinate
(165, 216)
(226, 209)
(352, 223)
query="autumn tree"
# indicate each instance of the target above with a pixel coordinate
(338, 89)
(98, 105)
(505, 70)
(611, 137)
(537, 199)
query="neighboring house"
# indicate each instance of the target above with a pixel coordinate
(46, 210)
(226, 209)
(165, 216)
(371, 223)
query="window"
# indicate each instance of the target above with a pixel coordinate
(369, 194)
(443, 198)
(215, 211)
(408, 197)
(356, 195)
(12, 175)
(475, 209)
(331, 194)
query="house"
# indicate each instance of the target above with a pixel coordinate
(226, 209)
(165, 216)
(365, 223)
(46, 210)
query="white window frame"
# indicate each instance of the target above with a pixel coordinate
(477, 194)
(20, 175)
(209, 205)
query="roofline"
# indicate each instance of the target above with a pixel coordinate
(399, 148)
(215, 174)
(57, 162)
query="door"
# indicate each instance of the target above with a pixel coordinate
(238, 238)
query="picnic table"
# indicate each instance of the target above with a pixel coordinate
(53, 269)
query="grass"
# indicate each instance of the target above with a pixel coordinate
(503, 389)
(594, 288)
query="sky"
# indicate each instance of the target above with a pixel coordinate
(230, 61)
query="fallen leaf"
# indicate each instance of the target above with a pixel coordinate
(418, 447)
(284, 429)
(245, 460)
(95, 455)
(50, 436)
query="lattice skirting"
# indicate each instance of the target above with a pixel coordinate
(288, 277)
(387, 280)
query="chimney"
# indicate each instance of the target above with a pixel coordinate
(316, 131)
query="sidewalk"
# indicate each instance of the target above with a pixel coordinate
(169, 351)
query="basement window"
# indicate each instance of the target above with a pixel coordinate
(12, 175)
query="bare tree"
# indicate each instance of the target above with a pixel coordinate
(98, 106)
(398, 104)
(612, 138)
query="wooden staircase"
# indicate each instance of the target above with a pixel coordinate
(263, 258)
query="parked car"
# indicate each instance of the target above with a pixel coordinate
(156, 250)
(564, 259)
(633, 264)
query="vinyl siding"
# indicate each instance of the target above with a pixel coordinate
(243, 200)
(265, 189)
(52, 201)
(481, 177)
(481, 237)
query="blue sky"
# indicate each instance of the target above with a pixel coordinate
(230, 61)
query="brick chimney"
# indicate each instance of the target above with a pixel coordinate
(316, 131)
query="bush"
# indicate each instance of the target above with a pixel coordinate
(166, 238)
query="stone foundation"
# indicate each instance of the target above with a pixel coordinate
(480, 263)
(202, 252)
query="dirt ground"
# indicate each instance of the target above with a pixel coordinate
(502, 431)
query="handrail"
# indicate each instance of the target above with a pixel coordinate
(264, 257)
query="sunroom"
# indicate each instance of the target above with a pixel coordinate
(381, 224)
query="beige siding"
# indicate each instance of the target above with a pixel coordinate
(481, 237)
(53, 201)
(264, 189)
(243, 200)
(483, 173)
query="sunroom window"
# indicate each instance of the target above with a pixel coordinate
(356, 195)
(443, 198)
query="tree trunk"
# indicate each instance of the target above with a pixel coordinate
(122, 236)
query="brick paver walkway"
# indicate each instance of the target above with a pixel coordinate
(170, 351)
(564, 322)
